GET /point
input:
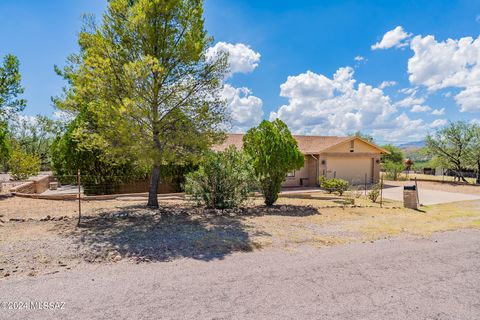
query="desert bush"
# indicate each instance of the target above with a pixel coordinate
(374, 193)
(223, 180)
(393, 170)
(23, 165)
(334, 185)
(355, 192)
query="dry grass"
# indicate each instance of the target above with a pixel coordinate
(412, 176)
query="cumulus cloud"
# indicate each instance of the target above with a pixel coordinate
(438, 112)
(410, 101)
(385, 84)
(420, 108)
(338, 105)
(244, 108)
(241, 58)
(393, 38)
(448, 64)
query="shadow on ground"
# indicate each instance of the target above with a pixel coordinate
(155, 237)
(143, 235)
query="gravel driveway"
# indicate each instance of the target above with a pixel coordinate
(434, 278)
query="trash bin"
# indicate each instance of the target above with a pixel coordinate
(410, 197)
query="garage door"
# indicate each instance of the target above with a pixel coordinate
(351, 169)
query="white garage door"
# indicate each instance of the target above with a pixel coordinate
(351, 169)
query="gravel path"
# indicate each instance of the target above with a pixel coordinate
(434, 278)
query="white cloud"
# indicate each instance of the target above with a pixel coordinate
(438, 123)
(402, 128)
(438, 112)
(393, 38)
(245, 109)
(448, 64)
(241, 58)
(338, 105)
(420, 108)
(385, 84)
(410, 101)
(359, 58)
(410, 91)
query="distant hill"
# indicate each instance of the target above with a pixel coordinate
(412, 145)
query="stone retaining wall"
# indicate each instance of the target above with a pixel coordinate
(33, 186)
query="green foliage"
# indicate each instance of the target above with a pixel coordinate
(474, 152)
(23, 165)
(393, 169)
(334, 185)
(5, 147)
(10, 87)
(396, 154)
(144, 73)
(274, 153)
(374, 193)
(452, 146)
(223, 180)
(76, 149)
(362, 135)
(35, 135)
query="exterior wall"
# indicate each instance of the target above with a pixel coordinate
(299, 174)
(368, 163)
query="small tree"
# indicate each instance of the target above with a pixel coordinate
(451, 146)
(274, 153)
(396, 154)
(393, 169)
(224, 179)
(23, 165)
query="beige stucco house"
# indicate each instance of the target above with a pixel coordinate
(350, 158)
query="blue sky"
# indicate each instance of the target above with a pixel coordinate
(288, 38)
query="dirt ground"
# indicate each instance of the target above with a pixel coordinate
(113, 231)
(441, 186)
(403, 278)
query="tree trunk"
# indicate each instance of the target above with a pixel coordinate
(152, 191)
(478, 171)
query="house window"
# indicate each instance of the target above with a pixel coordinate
(291, 174)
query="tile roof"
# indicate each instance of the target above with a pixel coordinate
(306, 144)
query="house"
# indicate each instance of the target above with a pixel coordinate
(351, 158)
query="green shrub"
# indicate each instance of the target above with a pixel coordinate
(223, 180)
(374, 193)
(23, 165)
(393, 170)
(274, 153)
(334, 185)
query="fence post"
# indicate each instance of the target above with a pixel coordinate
(416, 190)
(365, 184)
(381, 192)
(79, 198)
(213, 194)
